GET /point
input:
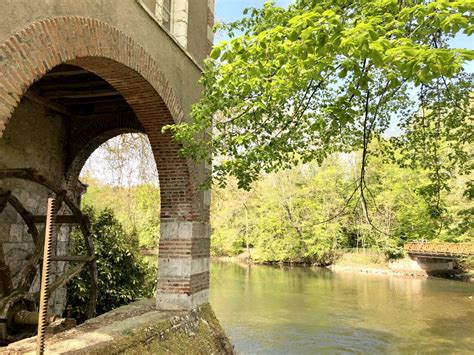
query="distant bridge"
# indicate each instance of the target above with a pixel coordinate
(440, 250)
(435, 258)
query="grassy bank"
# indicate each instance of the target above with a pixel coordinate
(368, 261)
(368, 257)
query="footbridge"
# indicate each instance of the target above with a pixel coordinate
(437, 257)
(440, 250)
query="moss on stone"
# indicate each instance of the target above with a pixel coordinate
(196, 332)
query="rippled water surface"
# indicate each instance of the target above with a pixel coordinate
(267, 309)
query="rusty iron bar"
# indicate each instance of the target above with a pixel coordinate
(66, 219)
(44, 292)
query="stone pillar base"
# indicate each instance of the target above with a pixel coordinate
(181, 301)
(183, 265)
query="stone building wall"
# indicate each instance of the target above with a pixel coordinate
(33, 139)
(121, 43)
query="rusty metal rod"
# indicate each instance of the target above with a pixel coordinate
(44, 292)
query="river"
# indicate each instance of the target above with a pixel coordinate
(266, 309)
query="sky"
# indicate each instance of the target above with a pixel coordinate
(230, 10)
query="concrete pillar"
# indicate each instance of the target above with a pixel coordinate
(183, 265)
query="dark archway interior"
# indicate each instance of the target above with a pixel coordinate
(93, 111)
(73, 91)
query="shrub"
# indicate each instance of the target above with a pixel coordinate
(393, 252)
(466, 264)
(123, 274)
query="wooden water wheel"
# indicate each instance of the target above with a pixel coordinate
(18, 299)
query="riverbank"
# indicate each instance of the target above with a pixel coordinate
(363, 263)
(375, 270)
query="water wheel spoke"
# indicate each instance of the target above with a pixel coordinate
(69, 275)
(29, 270)
(4, 196)
(25, 215)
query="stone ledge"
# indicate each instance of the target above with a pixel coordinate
(138, 329)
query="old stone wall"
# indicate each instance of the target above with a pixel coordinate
(33, 139)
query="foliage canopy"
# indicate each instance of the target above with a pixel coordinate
(290, 215)
(298, 84)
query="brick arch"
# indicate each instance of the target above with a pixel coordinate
(80, 159)
(107, 52)
(90, 137)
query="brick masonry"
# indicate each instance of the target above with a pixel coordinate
(183, 264)
(112, 55)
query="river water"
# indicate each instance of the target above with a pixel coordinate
(284, 310)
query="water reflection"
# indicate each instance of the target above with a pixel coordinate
(300, 310)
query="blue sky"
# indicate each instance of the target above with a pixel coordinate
(229, 10)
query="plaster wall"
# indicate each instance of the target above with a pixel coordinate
(128, 16)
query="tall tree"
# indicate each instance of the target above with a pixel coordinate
(298, 84)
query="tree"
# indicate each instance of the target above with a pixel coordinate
(303, 214)
(122, 273)
(125, 160)
(298, 84)
(137, 208)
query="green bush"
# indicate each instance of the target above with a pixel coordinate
(123, 274)
(466, 264)
(393, 252)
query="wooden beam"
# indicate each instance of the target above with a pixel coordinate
(55, 85)
(77, 94)
(67, 219)
(62, 280)
(87, 101)
(26, 215)
(58, 74)
(80, 258)
(4, 196)
(6, 285)
(33, 96)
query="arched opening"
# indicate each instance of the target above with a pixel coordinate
(120, 177)
(56, 108)
(121, 199)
